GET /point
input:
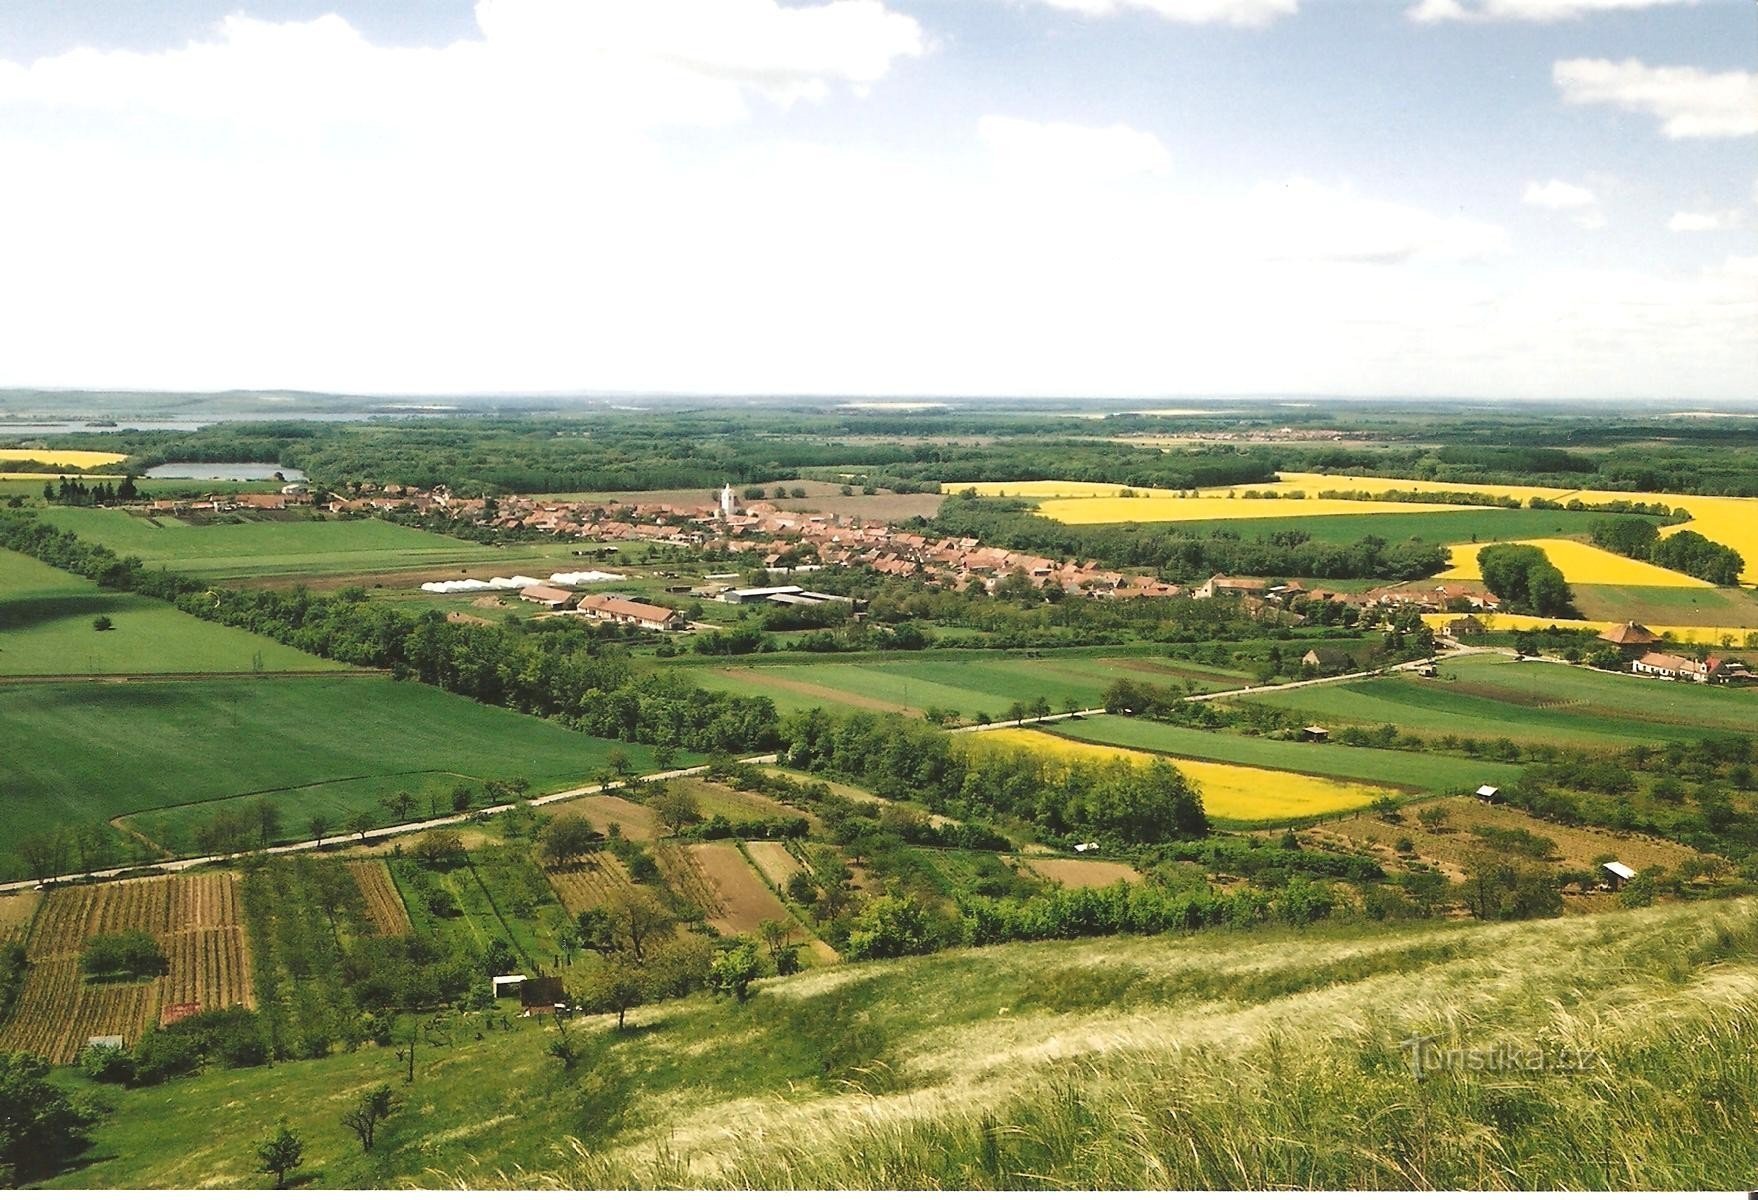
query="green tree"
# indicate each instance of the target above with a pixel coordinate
(280, 1154)
(319, 825)
(368, 1112)
(733, 970)
(665, 756)
(39, 1124)
(360, 824)
(677, 807)
(889, 927)
(567, 839)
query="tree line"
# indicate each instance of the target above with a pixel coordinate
(1686, 551)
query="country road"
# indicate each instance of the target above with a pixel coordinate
(184, 864)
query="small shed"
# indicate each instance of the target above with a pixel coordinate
(1490, 793)
(509, 985)
(543, 992)
(1617, 874)
(108, 1041)
(1085, 847)
(1315, 733)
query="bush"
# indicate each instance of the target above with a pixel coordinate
(231, 1037)
(116, 956)
(107, 1064)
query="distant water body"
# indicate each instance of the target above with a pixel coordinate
(257, 470)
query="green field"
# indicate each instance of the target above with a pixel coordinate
(1392, 768)
(1721, 607)
(272, 546)
(981, 682)
(1491, 696)
(1266, 1059)
(46, 620)
(173, 753)
(1446, 527)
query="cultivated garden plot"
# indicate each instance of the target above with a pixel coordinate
(384, 906)
(1077, 872)
(197, 921)
(593, 882)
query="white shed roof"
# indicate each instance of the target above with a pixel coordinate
(1620, 870)
(1488, 790)
(504, 979)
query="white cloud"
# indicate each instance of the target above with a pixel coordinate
(1245, 13)
(1558, 196)
(1299, 220)
(1704, 222)
(1543, 11)
(1690, 103)
(1072, 152)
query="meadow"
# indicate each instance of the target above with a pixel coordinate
(1261, 1059)
(1491, 696)
(46, 619)
(270, 547)
(1400, 769)
(968, 684)
(1682, 606)
(1229, 792)
(171, 755)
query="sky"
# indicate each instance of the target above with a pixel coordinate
(1551, 199)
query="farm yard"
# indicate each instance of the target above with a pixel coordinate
(1230, 792)
(192, 750)
(195, 918)
(46, 629)
(1492, 696)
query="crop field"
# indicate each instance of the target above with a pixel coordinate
(16, 911)
(195, 918)
(1078, 872)
(742, 900)
(1700, 635)
(775, 861)
(1101, 510)
(1680, 606)
(46, 618)
(1449, 845)
(1459, 525)
(1230, 792)
(269, 546)
(384, 905)
(1731, 520)
(597, 880)
(684, 876)
(981, 683)
(1490, 696)
(78, 459)
(1397, 769)
(331, 746)
(1581, 563)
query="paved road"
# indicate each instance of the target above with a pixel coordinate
(407, 827)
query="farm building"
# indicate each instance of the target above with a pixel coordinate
(1326, 658)
(1225, 585)
(1489, 793)
(1670, 666)
(620, 610)
(1617, 874)
(543, 992)
(553, 598)
(508, 985)
(1315, 733)
(1630, 637)
(1466, 626)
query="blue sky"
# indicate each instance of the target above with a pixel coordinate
(1153, 198)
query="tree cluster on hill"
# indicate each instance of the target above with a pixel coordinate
(1525, 580)
(566, 670)
(73, 492)
(906, 759)
(1686, 551)
(1184, 554)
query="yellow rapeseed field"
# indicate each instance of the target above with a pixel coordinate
(1580, 564)
(1730, 520)
(1228, 791)
(81, 459)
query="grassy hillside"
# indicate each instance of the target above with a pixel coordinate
(1222, 1060)
(46, 620)
(173, 753)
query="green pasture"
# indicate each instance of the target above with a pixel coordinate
(1392, 768)
(1446, 527)
(46, 619)
(170, 755)
(1491, 696)
(985, 682)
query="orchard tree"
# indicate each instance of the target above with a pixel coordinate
(280, 1154)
